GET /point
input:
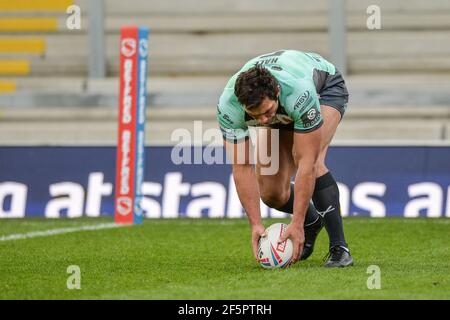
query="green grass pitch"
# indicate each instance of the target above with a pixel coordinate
(211, 259)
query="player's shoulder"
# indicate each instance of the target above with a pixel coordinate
(302, 105)
(228, 101)
(297, 92)
(228, 90)
(229, 113)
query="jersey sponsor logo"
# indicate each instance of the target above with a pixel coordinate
(227, 119)
(278, 68)
(304, 100)
(311, 118)
(311, 114)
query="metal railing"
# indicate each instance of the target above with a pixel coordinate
(97, 59)
(337, 34)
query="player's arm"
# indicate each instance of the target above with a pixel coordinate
(306, 150)
(306, 153)
(237, 144)
(247, 187)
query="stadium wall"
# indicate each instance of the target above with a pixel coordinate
(59, 182)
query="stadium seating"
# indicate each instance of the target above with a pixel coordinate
(98, 126)
(196, 45)
(23, 26)
(201, 38)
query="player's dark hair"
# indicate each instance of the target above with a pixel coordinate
(253, 85)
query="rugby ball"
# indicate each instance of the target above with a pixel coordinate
(274, 255)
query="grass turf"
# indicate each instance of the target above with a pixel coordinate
(211, 259)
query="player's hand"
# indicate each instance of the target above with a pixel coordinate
(297, 235)
(258, 231)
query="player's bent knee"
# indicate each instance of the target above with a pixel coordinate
(275, 199)
(321, 169)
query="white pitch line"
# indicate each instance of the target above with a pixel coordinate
(52, 232)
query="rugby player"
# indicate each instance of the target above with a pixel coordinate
(304, 97)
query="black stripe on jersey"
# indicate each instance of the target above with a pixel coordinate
(310, 129)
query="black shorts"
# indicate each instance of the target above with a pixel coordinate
(334, 92)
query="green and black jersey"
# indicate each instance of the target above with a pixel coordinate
(300, 76)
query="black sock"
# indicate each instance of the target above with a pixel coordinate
(311, 214)
(326, 200)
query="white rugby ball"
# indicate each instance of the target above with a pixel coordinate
(272, 254)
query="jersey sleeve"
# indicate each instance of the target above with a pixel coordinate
(304, 108)
(231, 121)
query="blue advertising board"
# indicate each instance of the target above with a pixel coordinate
(75, 182)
